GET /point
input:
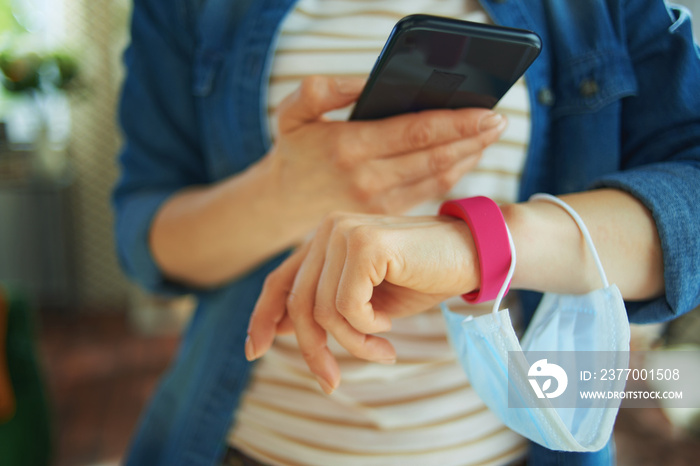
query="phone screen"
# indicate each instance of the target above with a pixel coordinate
(431, 62)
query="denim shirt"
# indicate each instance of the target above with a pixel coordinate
(615, 103)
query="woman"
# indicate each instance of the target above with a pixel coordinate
(206, 200)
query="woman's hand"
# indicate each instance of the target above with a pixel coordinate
(384, 166)
(357, 273)
(208, 235)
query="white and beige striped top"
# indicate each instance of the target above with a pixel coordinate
(421, 410)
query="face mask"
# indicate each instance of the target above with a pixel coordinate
(596, 321)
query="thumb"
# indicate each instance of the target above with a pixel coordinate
(316, 96)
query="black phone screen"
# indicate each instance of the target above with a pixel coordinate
(431, 62)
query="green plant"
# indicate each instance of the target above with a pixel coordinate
(24, 65)
(35, 72)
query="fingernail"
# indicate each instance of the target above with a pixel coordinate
(347, 85)
(327, 387)
(490, 121)
(249, 349)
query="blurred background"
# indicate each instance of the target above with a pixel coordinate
(81, 349)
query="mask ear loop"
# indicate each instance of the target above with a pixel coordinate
(509, 276)
(582, 226)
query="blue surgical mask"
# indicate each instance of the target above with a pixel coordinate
(596, 321)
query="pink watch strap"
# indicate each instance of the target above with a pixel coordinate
(488, 228)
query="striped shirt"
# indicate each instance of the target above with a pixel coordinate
(422, 410)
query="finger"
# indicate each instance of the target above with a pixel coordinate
(408, 168)
(285, 326)
(359, 344)
(311, 337)
(365, 268)
(315, 96)
(416, 131)
(312, 340)
(271, 306)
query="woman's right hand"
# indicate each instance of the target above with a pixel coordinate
(382, 166)
(354, 276)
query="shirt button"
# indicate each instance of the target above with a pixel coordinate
(588, 88)
(545, 96)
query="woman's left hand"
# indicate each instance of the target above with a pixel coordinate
(354, 276)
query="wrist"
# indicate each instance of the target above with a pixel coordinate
(552, 256)
(491, 240)
(299, 203)
(275, 202)
(467, 261)
(516, 217)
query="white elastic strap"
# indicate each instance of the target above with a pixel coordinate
(509, 277)
(582, 226)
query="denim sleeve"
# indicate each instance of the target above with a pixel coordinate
(161, 151)
(661, 148)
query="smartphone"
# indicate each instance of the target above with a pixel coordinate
(431, 62)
